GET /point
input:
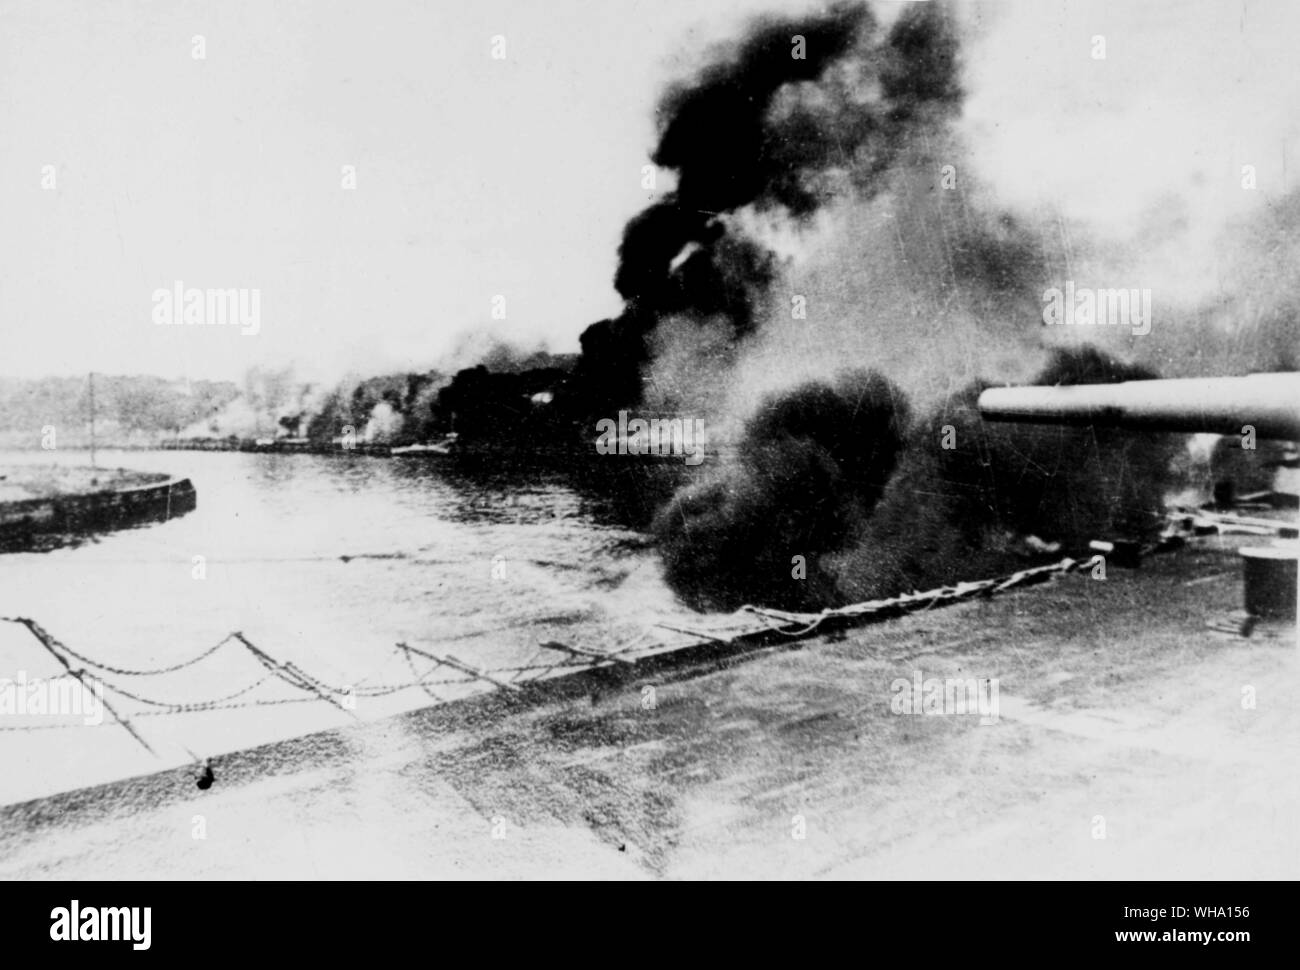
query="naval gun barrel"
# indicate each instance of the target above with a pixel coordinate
(1268, 403)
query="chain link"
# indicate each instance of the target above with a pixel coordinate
(49, 641)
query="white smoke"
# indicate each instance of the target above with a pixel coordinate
(384, 424)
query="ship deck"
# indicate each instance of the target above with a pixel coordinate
(1121, 715)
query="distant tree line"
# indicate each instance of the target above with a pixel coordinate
(508, 398)
(126, 408)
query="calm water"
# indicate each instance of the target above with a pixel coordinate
(328, 561)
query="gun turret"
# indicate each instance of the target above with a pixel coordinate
(1268, 403)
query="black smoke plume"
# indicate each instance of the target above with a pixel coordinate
(969, 494)
(759, 129)
(835, 493)
(876, 506)
(810, 467)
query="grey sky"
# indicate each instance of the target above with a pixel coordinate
(478, 177)
(475, 176)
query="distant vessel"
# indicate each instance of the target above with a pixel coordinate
(282, 444)
(436, 448)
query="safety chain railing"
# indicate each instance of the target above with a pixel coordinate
(507, 678)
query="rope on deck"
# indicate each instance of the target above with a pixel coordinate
(780, 621)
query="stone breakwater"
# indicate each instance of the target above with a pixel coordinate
(48, 500)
